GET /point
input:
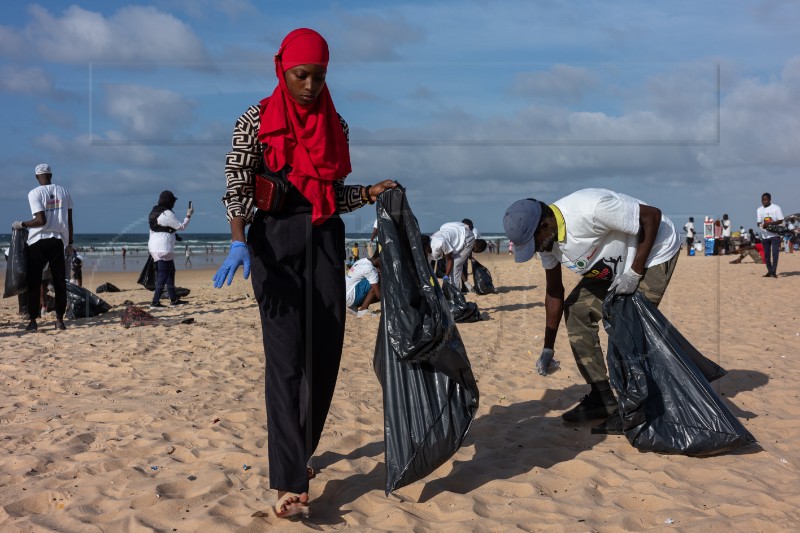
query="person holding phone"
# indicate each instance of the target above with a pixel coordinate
(163, 225)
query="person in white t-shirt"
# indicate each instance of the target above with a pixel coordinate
(48, 233)
(453, 243)
(363, 285)
(617, 243)
(726, 234)
(161, 245)
(689, 229)
(767, 215)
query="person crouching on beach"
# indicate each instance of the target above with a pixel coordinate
(296, 251)
(617, 243)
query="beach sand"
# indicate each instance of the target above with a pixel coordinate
(162, 428)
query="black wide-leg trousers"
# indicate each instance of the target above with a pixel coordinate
(297, 272)
(42, 252)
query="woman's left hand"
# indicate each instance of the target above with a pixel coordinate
(375, 190)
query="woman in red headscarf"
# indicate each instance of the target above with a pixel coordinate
(297, 253)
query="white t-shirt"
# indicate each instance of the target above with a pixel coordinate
(764, 216)
(689, 227)
(162, 244)
(361, 269)
(450, 239)
(56, 202)
(601, 235)
(726, 227)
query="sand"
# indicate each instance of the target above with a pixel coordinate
(163, 428)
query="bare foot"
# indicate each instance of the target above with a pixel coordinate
(291, 505)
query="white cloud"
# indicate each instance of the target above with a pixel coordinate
(369, 35)
(132, 33)
(147, 111)
(24, 80)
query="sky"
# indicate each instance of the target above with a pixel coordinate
(689, 106)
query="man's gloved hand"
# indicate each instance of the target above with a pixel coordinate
(17, 225)
(546, 361)
(626, 283)
(445, 278)
(239, 255)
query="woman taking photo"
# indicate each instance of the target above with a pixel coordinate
(295, 249)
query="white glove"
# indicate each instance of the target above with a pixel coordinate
(626, 283)
(16, 225)
(546, 361)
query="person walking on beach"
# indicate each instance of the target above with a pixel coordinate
(767, 215)
(48, 231)
(161, 245)
(296, 252)
(689, 229)
(188, 252)
(726, 234)
(617, 243)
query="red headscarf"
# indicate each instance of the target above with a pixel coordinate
(308, 138)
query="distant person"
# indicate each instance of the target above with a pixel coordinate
(48, 231)
(477, 235)
(690, 233)
(768, 215)
(363, 286)
(726, 234)
(124, 253)
(354, 252)
(163, 225)
(616, 243)
(77, 271)
(510, 247)
(453, 243)
(753, 251)
(188, 253)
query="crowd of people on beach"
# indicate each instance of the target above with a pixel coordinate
(285, 179)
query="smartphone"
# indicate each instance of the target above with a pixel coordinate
(190, 204)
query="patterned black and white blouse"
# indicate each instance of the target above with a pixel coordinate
(242, 159)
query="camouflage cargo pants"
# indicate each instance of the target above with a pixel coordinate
(583, 313)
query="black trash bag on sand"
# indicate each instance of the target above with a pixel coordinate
(107, 287)
(662, 384)
(147, 277)
(461, 310)
(481, 278)
(83, 303)
(430, 396)
(16, 272)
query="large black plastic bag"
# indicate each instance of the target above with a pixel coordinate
(461, 310)
(16, 279)
(482, 278)
(430, 396)
(83, 303)
(665, 400)
(147, 277)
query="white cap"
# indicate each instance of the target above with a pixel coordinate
(43, 168)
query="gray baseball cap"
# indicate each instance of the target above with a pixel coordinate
(43, 168)
(520, 223)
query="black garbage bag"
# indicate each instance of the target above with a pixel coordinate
(147, 278)
(83, 303)
(481, 278)
(16, 280)
(665, 400)
(461, 310)
(430, 396)
(108, 287)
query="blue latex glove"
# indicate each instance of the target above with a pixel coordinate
(546, 362)
(445, 278)
(239, 255)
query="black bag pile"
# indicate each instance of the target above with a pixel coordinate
(430, 396)
(108, 287)
(83, 303)
(481, 278)
(460, 308)
(662, 384)
(16, 280)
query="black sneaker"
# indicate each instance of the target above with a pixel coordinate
(60, 325)
(157, 305)
(173, 303)
(591, 407)
(612, 426)
(32, 326)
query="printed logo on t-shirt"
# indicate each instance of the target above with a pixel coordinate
(53, 204)
(605, 268)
